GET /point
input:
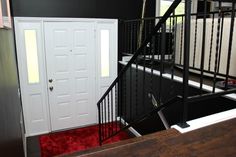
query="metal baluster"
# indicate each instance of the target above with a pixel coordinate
(152, 63)
(135, 33)
(104, 122)
(122, 36)
(128, 34)
(173, 45)
(144, 68)
(195, 42)
(181, 40)
(217, 49)
(121, 103)
(131, 38)
(149, 31)
(100, 127)
(142, 32)
(131, 96)
(145, 29)
(112, 121)
(212, 34)
(221, 38)
(101, 114)
(126, 38)
(105, 135)
(138, 28)
(108, 114)
(102, 119)
(136, 87)
(135, 36)
(138, 24)
(230, 43)
(203, 46)
(159, 46)
(144, 79)
(125, 102)
(187, 27)
(163, 49)
(117, 106)
(169, 39)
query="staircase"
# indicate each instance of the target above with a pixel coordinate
(169, 53)
(202, 142)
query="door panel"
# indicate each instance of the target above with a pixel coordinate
(84, 73)
(58, 47)
(106, 59)
(106, 39)
(70, 65)
(32, 79)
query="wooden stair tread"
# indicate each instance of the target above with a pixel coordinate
(214, 140)
(160, 135)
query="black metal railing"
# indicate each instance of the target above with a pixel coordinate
(179, 48)
(135, 32)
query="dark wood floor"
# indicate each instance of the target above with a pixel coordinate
(33, 147)
(216, 140)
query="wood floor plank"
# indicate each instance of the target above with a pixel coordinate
(215, 140)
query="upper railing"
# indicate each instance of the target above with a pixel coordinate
(196, 50)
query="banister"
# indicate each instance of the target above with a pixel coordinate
(146, 41)
(156, 66)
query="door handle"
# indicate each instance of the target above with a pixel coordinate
(50, 80)
(51, 88)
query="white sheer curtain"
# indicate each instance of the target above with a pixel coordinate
(163, 5)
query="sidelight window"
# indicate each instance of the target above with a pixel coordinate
(105, 49)
(32, 56)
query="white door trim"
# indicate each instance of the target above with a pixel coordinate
(49, 19)
(42, 20)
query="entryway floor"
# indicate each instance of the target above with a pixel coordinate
(58, 143)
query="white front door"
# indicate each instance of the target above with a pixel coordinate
(70, 60)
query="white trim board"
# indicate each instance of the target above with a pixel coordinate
(131, 129)
(63, 19)
(127, 58)
(195, 84)
(207, 121)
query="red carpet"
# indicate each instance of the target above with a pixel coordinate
(73, 140)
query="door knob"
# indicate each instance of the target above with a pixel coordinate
(51, 88)
(50, 80)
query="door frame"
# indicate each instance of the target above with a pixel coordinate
(42, 20)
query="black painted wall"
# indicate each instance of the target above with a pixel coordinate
(10, 105)
(121, 9)
(118, 9)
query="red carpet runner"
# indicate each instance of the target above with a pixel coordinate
(73, 140)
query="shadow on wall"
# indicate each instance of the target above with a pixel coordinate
(10, 106)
